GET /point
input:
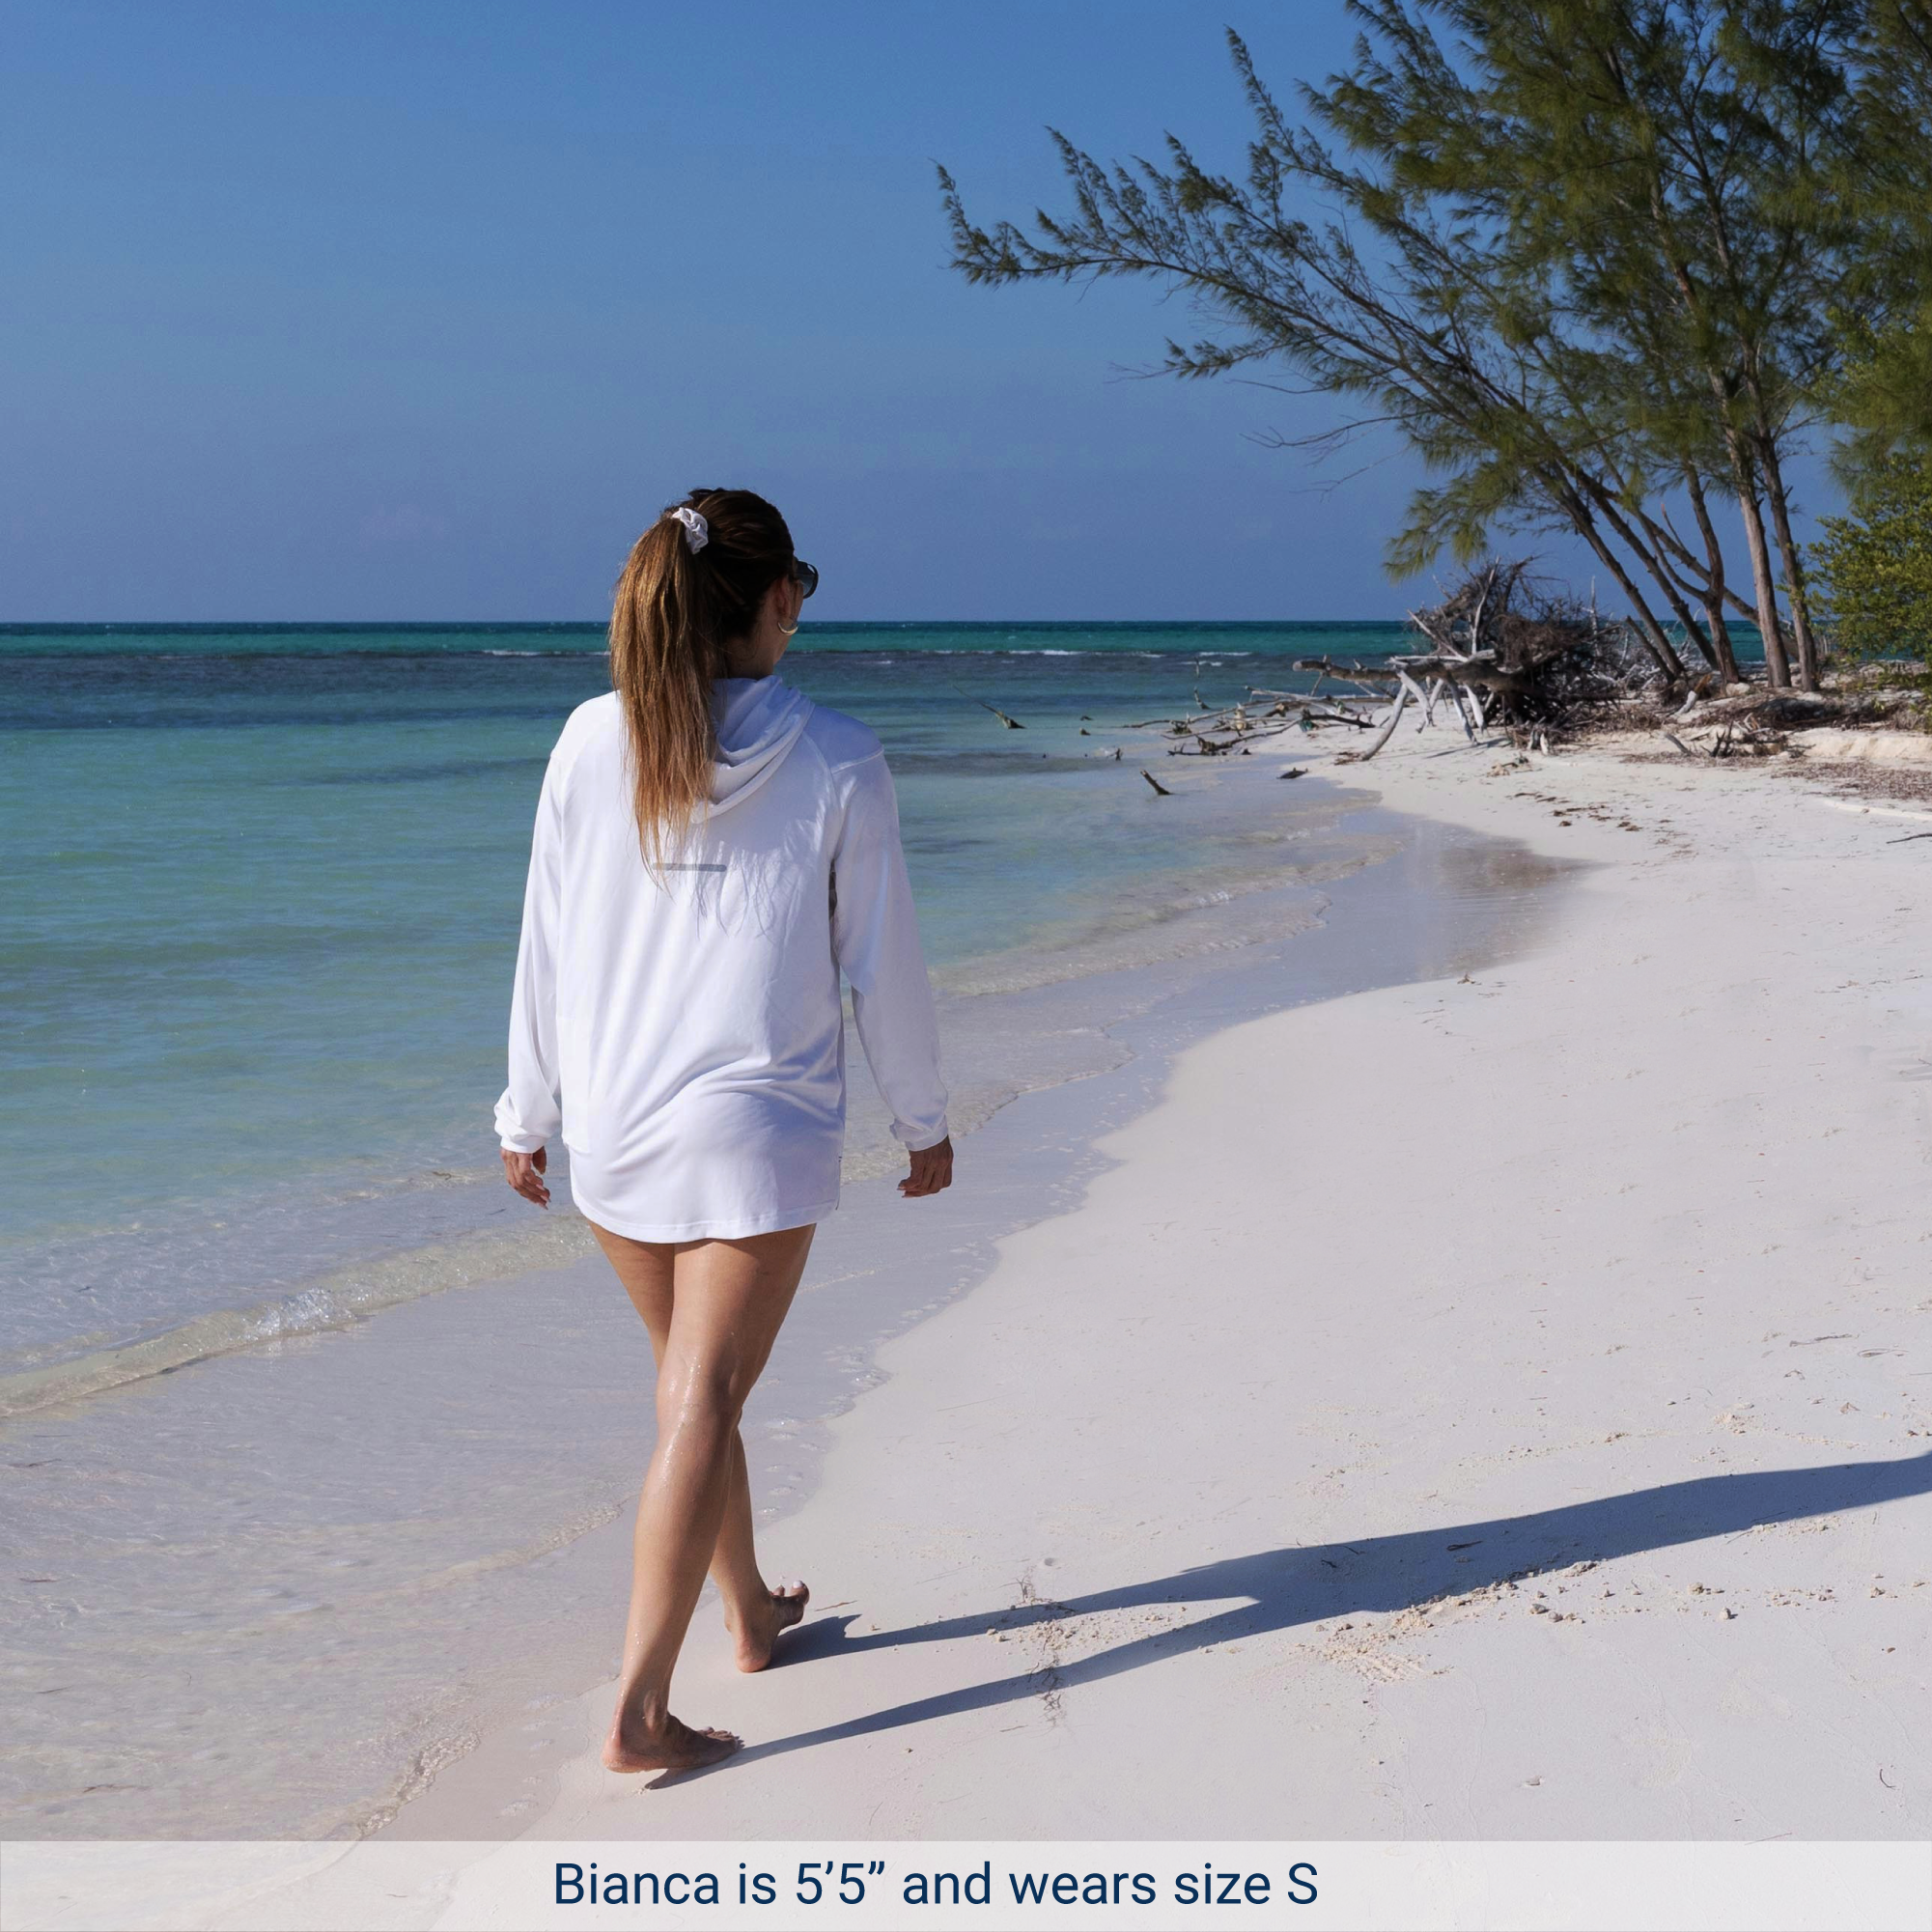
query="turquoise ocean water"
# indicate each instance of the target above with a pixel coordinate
(261, 889)
(264, 882)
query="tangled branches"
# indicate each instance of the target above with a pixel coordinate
(1506, 653)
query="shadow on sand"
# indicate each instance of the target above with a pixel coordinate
(1277, 1589)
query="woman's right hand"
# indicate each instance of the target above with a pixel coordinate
(932, 1170)
(525, 1173)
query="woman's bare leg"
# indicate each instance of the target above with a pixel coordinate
(726, 1300)
(754, 1613)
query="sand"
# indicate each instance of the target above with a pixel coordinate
(1496, 1408)
(1488, 1409)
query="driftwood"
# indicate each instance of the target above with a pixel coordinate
(1501, 652)
(1758, 723)
(1260, 714)
(1741, 735)
(1234, 729)
(1308, 705)
(1387, 730)
(1006, 719)
(1504, 650)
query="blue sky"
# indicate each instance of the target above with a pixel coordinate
(423, 311)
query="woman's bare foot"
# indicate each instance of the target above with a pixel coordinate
(670, 1745)
(759, 1632)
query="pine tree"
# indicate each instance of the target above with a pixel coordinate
(1583, 254)
(1670, 167)
(1883, 399)
(1390, 301)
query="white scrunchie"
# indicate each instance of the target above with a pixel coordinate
(697, 532)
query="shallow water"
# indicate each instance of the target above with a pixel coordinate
(347, 1486)
(264, 885)
(275, 1594)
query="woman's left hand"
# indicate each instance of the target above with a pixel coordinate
(525, 1173)
(932, 1170)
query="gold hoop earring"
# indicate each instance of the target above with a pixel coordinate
(788, 631)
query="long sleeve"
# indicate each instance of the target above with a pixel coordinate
(529, 1113)
(876, 940)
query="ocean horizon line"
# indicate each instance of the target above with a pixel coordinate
(26, 627)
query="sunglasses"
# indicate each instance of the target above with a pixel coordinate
(804, 575)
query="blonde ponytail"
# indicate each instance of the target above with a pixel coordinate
(676, 612)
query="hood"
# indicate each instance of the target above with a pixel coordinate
(759, 721)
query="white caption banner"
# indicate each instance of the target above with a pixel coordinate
(1403, 1886)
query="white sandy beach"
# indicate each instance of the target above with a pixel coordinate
(1492, 1408)
(1497, 1409)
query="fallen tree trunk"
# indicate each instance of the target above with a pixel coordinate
(1387, 732)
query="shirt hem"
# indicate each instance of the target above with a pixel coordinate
(714, 1230)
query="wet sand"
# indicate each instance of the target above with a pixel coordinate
(1474, 1385)
(1495, 1407)
(322, 1560)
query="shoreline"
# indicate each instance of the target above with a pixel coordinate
(1442, 900)
(548, 1548)
(1674, 1482)
(1317, 1547)
(322, 1250)
(1662, 856)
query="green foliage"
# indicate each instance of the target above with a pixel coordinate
(1395, 297)
(1386, 291)
(1581, 255)
(1875, 565)
(1882, 398)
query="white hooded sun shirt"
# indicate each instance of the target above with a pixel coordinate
(685, 1036)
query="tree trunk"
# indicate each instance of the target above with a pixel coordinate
(1794, 568)
(1648, 629)
(1706, 580)
(1777, 665)
(1658, 565)
(1713, 589)
(1661, 571)
(1654, 633)
(1776, 661)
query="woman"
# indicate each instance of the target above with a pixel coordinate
(712, 848)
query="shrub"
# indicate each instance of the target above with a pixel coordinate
(1874, 567)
